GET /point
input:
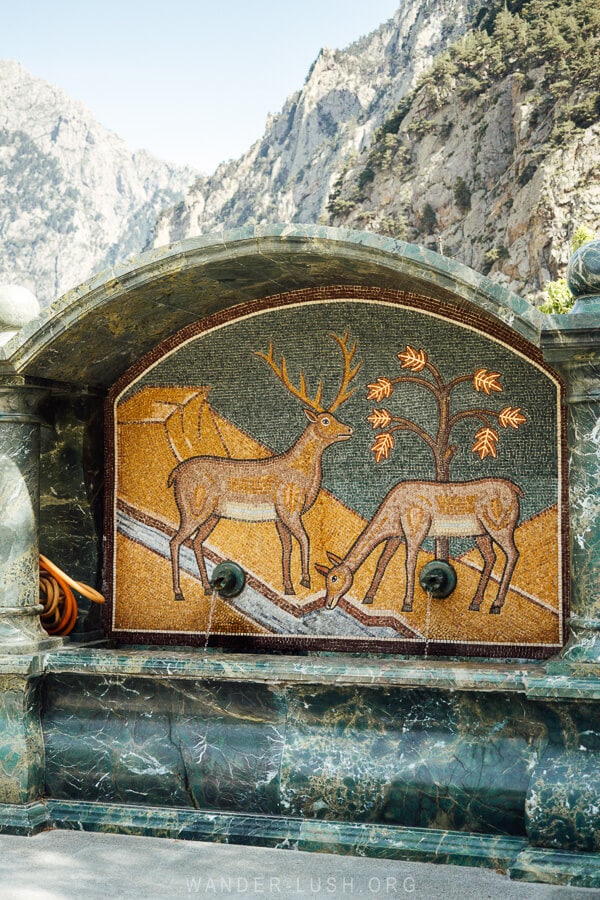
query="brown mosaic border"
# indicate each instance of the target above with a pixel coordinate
(462, 313)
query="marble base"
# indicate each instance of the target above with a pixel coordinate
(26, 820)
(21, 631)
(470, 763)
(435, 745)
(512, 855)
(584, 644)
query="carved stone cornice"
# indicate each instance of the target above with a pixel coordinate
(20, 400)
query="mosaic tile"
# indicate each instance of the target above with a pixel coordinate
(407, 443)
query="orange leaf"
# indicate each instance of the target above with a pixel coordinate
(380, 389)
(486, 381)
(485, 442)
(384, 444)
(412, 359)
(380, 418)
(511, 417)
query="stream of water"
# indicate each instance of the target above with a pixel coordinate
(427, 624)
(211, 610)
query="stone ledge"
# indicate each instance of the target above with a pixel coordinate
(27, 820)
(537, 680)
(530, 678)
(342, 669)
(502, 853)
(513, 855)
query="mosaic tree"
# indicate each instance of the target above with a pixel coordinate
(426, 375)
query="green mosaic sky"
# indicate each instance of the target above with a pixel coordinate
(245, 391)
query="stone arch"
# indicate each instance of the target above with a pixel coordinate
(92, 334)
(88, 339)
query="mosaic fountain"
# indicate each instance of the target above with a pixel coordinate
(332, 411)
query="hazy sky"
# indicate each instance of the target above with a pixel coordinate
(192, 82)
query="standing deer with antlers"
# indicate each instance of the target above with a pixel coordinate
(277, 489)
(487, 509)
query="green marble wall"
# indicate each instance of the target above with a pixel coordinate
(162, 742)
(562, 805)
(571, 343)
(493, 763)
(472, 763)
(21, 744)
(419, 758)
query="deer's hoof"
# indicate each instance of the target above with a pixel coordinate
(178, 596)
(495, 610)
(474, 606)
(367, 599)
(289, 591)
(407, 607)
(305, 582)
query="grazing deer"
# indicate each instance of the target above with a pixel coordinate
(486, 509)
(277, 489)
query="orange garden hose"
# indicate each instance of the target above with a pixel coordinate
(60, 606)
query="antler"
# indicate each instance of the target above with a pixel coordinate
(349, 373)
(282, 374)
(301, 392)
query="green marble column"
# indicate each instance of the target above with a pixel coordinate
(572, 344)
(22, 760)
(71, 494)
(20, 628)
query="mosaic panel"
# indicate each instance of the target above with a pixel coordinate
(332, 443)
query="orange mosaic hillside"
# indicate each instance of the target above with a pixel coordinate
(156, 424)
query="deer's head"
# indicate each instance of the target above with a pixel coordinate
(321, 418)
(327, 428)
(338, 579)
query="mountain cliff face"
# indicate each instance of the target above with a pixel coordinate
(494, 159)
(471, 128)
(288, 174)
(74, 198)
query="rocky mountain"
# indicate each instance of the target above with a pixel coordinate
(75, 199)
(494, 158)
(469, 127)
(288, 174)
